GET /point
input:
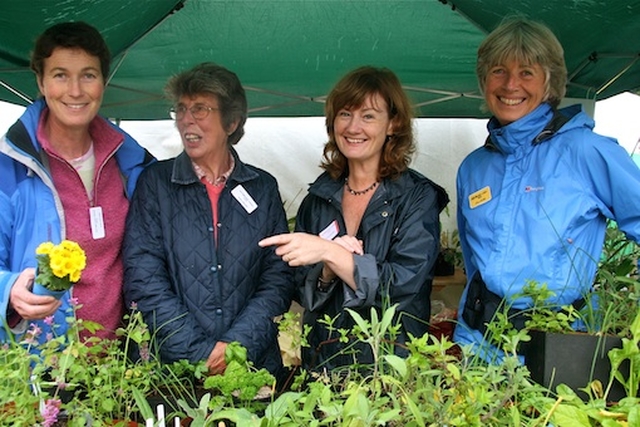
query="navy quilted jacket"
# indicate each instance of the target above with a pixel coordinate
(191, 293)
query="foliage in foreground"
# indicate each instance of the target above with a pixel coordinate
(431, 387)
(434, 386)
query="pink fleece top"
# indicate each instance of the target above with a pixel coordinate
(100, 287)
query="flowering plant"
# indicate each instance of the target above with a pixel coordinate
(59, 266)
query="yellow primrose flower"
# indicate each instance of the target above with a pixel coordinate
(44, 248)
(60, 266)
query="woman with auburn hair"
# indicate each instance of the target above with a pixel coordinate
(367, 234)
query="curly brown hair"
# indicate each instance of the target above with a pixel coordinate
(351, 92)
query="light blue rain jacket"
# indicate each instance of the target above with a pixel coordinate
(533, 204)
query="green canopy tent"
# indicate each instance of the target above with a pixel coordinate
(289, 53)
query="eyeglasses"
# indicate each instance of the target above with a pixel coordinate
(198, 111)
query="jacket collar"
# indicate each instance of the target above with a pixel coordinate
(534, 128)
(521, 133)
(184, 174)
(22, 139)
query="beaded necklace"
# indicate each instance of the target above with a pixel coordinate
(359, 192)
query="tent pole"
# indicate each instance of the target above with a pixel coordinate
(16, 92)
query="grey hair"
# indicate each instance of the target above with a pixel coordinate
(212, 79)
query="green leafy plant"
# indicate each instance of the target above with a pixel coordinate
(19, 405)
(616, 291)
(450, 248)
(630, 351)
(98, 375)
(431, 387)
(240, 382)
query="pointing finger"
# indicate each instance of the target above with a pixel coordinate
(279, 239)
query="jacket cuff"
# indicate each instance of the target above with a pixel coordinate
(367, 281)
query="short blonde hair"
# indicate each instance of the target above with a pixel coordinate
(527, 42)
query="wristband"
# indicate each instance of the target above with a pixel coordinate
(324, 285)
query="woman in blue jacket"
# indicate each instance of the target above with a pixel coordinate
(368, 232)
(534, 200)
(192, 261)
(66, 173)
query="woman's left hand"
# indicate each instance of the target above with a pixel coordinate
(350, 243)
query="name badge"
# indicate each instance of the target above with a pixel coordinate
(97, 223)
(247, 202)
(480, 197)
(330, 231)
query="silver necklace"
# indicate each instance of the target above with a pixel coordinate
(359, 192)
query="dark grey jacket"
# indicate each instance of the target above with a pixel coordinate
(191, 293)
(401, 234)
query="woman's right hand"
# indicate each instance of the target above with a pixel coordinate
(28, 305)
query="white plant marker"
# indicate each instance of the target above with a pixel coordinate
(160, 411)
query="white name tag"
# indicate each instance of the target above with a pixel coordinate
(330, 231)
(97, 223)
(247, 202)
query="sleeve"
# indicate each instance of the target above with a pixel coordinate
(616, 181)
(148, 284)
(7, 277)
(402, 273)
(255, 326)
(306, 277)
(405, 274)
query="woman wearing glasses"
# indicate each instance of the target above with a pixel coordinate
(193, 264)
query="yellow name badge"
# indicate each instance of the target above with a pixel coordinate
(480, 197)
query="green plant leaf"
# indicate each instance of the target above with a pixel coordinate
(398, 363)
(570, 416)
(278, 408)
(387, 318)
(143, 404)
(239, 416)
(363, 324)
(415, 411)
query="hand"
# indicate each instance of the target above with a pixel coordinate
(215, 362)
(298, 249)
(305, 249)
(28, 305)
(351, 244)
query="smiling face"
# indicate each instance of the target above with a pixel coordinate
(73, 85)
(360, 132)
(205, 140)
(512, 90)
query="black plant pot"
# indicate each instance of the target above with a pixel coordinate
(443, 267)
(568, 358)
